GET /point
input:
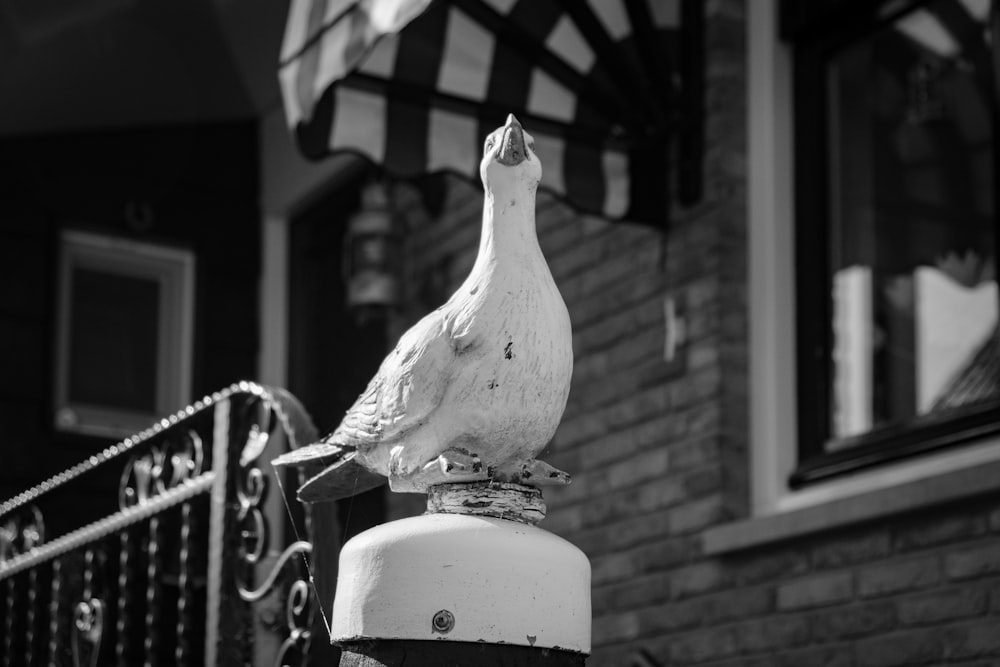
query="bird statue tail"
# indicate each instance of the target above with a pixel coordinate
(333, 472)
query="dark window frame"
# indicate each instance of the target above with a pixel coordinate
(817, 31)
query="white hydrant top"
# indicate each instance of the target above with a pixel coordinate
(460, 573)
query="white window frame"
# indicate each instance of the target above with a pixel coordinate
(773, 405)
(174, 270)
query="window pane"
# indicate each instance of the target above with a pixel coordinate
(114, 320)
(913, 234)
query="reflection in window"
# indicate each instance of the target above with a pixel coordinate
(912, 241)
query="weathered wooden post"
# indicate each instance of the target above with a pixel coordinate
(459, 410)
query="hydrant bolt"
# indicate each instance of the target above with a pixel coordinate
(443, 621)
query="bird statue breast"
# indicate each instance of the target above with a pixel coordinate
(475, 390)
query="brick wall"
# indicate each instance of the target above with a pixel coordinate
(658, 448)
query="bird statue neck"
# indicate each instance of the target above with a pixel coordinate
(509, 226)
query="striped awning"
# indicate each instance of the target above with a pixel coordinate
(416, 85)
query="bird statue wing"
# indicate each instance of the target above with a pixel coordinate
(407, 388)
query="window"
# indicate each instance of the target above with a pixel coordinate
(124, 334)
(895, 230)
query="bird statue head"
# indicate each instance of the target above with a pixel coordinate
(509, 158)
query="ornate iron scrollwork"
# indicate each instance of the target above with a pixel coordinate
(251, 491)
(116, 615)
(136, 486)
(252, 486)
(253, 525)
(299, 609)
(144, 477)
(299, 604)
(149, 475)
(88, 630)
(21, 533)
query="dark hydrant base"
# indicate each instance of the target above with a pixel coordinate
(421, 653)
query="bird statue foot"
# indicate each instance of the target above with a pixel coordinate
(459, 465)
(532, 472)
(451, 466)
(455, 466)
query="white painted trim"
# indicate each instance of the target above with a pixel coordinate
(173, 270)
(771, 266)
(772, 305)
(289, 183)
(216, 529)
(273, 362)
(880, 505)
(951, 460)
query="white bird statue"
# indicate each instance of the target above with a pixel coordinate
(475, 390)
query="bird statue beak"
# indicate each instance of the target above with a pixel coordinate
(512, 151)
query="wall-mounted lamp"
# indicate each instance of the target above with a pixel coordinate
(372, 253)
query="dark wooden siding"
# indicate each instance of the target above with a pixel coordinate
(194, 187)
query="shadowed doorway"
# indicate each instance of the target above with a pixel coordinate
(332, 356)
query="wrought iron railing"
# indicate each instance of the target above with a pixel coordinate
(186, 570)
